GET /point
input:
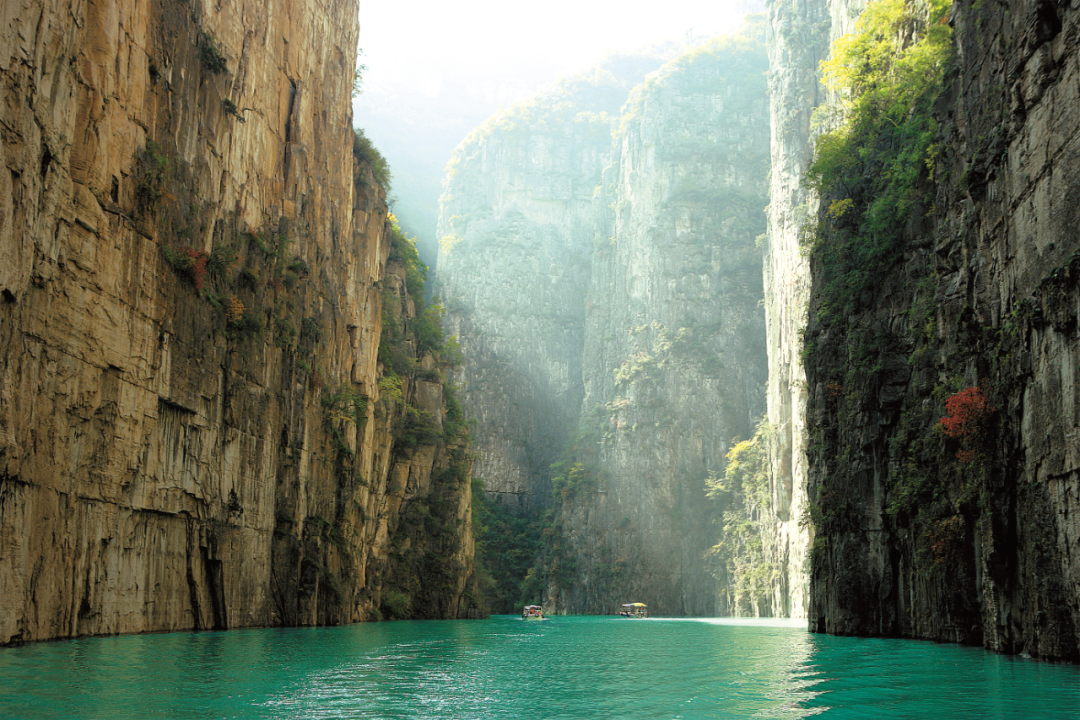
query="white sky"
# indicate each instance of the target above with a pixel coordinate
(414, 41)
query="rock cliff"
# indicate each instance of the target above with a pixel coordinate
(943, 466)
(799, 37)
(517, 227)
(674, 342)
(603, 277)
(194, 430)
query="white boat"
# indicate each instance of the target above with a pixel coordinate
(533, 612)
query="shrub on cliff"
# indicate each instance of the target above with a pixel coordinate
(888, 73)
(968, 420)
(369, 156)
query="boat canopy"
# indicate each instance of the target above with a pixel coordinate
(634, 609)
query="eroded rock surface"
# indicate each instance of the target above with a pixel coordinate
(187, 292)
(969, 537)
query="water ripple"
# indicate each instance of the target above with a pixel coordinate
(565, 668)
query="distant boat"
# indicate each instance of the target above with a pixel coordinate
(634, 610)
(533, 612)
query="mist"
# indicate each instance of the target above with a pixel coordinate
(434, 72)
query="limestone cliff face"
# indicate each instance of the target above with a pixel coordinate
(189, 326)
(517, 227)
(605, 283)
(674, 344)
(969, 536)
(799, 37)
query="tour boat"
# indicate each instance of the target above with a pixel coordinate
(634, 610)
(533, 612)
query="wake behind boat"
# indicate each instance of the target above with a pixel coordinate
(634, 610)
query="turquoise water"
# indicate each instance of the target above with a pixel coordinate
(574, 667)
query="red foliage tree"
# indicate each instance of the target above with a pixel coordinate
(968, 420)
(198, 266)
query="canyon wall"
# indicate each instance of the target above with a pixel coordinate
(193, 433)
(674, 345)
(799, 37)
(960, 530)
(602, 274)
(517, 227)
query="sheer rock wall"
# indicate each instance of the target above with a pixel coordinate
(932, 537)
(799, 37)
(606, 296)
(517, 229)
(674, 343)
(166, 457)
(517, 224)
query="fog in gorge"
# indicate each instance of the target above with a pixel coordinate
(600, 261)
(433, 73)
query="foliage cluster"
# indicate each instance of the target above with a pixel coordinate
(210, 54)
(688, 343)
(506, 545)
(743, 494)
(569, 482)
(404, 340)
(246, 277)
(968, 420)
(151, 174)
(367, 155)
(888, 73)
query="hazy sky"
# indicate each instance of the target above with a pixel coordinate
(436, 69)
(415, 41)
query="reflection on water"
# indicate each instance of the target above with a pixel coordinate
(579, 667)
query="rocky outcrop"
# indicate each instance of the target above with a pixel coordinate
(604, 280)
(674, 343)
(799, 38)
(189, 328)
(965, 530)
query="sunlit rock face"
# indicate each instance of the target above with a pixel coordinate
(674, 366)
(969, 538)
(517, 227)
(604, 279)
(799, 39)
(189, 327)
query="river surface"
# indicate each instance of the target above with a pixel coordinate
(592, 668)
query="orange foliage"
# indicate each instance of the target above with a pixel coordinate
(968, 419)
(198, 266)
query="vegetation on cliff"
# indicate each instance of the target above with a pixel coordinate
(887, 74)
(506, 546)
(429, 560)
(747, 575)
(938, 333)
(873, 171)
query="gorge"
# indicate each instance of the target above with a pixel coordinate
(784, 323)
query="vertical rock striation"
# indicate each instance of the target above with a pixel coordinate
(962, 531)
(674, 353)
(517, 227)
(189, 326)
(606, 291)
(799, 37)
